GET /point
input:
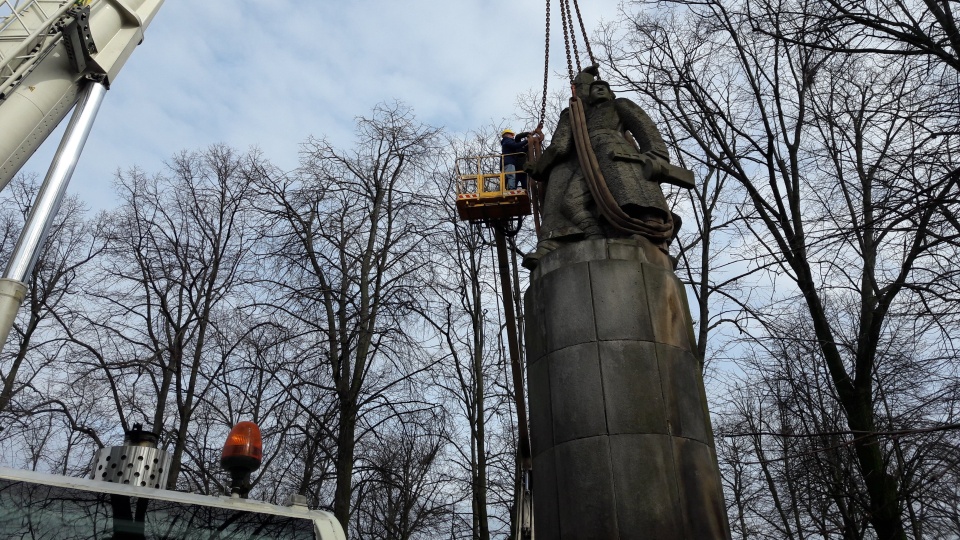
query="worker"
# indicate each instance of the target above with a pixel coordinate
(513, 148)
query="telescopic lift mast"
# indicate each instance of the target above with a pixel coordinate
(55, 54)
(483, 200)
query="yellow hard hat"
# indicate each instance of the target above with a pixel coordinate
(508, 130)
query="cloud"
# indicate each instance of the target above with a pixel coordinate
(272, 73)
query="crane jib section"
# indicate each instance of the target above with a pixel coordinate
(48, 50)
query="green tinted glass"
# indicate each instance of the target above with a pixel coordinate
(47, 512)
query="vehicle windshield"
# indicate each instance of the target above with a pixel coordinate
(35, 511)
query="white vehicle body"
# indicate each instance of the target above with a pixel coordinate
(68, 504)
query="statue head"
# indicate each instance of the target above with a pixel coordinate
(590, 88)
(600, 91)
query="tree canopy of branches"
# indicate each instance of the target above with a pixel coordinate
(346, 241)
(177, 256)
(842, 170)
(342, 306)
(36, 346)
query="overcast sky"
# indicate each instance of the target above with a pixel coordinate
(270, 73)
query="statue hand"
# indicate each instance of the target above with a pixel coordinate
(535, 170)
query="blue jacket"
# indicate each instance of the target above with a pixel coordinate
(512, 146)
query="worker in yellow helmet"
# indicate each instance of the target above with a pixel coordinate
(514, 149)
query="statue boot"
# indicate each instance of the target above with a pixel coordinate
(532, 260)
(586, 222)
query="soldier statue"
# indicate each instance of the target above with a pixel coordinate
(632, 159)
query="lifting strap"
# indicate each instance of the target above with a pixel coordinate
(620, 220)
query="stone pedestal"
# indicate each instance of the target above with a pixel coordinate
(621, 438)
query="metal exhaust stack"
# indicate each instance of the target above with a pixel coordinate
(138, 462)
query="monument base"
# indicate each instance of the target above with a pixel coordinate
(621, 437)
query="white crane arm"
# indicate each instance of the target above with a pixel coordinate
(48, 49)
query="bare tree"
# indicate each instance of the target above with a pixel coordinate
(884, 27)
(403, 493)
(179, 251)
(253, 360)
(850, 191)
(347, 236)
(35, 344)
(783, 436)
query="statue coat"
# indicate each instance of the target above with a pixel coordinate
(569, 209)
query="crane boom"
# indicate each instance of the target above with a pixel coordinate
(48, 50)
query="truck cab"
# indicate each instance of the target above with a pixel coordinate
(37, 505)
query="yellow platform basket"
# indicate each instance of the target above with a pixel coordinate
(482, 192)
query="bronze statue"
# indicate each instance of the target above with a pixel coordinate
(630, 156)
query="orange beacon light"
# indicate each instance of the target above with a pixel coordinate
(242, 454)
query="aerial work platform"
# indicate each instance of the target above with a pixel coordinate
(482, 192)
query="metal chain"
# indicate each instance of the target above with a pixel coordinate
(546, 69)
(573, 34)
(566, 39)
(569, 37)
(583, 30)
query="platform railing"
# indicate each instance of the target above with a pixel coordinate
(483, 176)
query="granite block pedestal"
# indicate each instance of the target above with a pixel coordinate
(621, 437)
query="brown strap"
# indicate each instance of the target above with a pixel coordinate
(606, 203)
(534, 151)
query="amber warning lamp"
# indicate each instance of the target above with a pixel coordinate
(242, 454)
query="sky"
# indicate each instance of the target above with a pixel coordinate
(272, 73)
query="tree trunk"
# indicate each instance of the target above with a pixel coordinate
(346, 447)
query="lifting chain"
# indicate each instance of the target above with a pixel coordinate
(546, 69)
(583, 31)
(573, 36)
(569, 40)
(566, 39)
